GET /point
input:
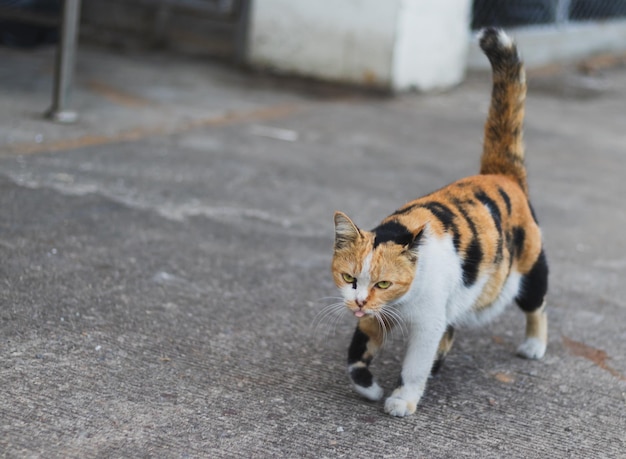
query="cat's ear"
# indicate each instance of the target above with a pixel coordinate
(412, 249)
(346, 232)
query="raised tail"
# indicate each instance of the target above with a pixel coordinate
(503, 149)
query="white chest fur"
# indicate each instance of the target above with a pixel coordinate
(439, 293)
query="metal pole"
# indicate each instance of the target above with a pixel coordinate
(241, 31)
(64, 67)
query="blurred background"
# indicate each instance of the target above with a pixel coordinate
(393, 45)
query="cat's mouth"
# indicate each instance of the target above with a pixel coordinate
(361, 312)
(360, 309)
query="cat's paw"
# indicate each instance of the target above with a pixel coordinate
(532, 348)
(373, 392)
(399, 407)
(364, 383)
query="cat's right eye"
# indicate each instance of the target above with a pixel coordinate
(348, 278)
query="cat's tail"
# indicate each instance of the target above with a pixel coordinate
(503, 149)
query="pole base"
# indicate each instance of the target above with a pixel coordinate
(62, 116)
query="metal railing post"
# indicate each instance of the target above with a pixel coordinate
(241, 31)
(65, 59)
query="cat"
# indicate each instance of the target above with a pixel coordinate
(455, 257)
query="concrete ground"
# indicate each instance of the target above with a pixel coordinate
(165, 260)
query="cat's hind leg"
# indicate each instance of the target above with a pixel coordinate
(531, 300)
(442, 351)
(366, 341)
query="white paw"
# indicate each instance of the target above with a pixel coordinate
(532, 348)
(399, 407)
(373, 392)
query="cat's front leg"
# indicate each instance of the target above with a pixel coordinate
(366, 342)
(421, 353)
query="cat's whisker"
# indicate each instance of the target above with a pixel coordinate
(329, 316)
(396, 320)
(401, 322)
(381, 321)
(330, 306)
(328, 311)
(328, 327)
(394, 323)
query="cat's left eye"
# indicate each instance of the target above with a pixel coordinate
(383, 285)
(348, 278)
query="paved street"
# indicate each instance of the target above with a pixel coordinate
(165, 260)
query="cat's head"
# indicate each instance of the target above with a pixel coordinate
(373, 268)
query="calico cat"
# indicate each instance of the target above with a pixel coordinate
(455, 257)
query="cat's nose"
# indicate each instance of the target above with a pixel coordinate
(360, 303)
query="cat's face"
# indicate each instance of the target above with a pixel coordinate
(370, 275)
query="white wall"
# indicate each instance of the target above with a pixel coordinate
(402, 44)
(390, 44)
(343, 40)
(432, 39)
